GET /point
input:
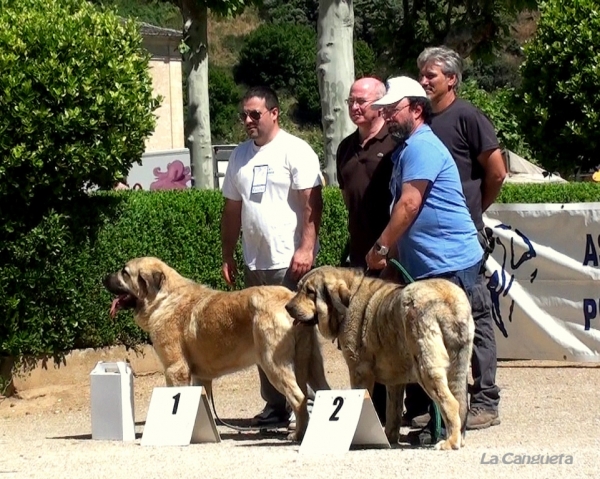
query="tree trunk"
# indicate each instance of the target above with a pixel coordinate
(195, 34)
(335, 70)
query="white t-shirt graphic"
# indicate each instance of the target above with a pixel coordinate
(264, 179)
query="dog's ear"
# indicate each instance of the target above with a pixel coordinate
(338, 296)
(344, 294)
(150, 284)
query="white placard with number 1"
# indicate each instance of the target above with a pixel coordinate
(340, 418)
(178, 416)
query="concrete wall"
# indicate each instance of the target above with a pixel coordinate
(166, 71)
(76, 367)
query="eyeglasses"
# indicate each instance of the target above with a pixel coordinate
(390, 112)
(359, 101)
(253, 114)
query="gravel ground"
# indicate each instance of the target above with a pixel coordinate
(546, 409)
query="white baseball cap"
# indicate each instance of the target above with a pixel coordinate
(398, 88)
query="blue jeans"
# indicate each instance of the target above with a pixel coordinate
(465, 278)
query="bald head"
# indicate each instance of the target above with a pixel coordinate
(369, 87)
(362, 94)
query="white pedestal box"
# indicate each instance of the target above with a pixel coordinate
(111, 394)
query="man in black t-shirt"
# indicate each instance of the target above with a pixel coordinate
(472, 141)
(364, 169)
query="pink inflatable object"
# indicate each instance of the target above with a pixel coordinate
(175, 178)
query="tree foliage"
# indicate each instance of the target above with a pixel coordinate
(154, 12)
(500, 107)
(284, 57)
(561, 85)
(398, 31)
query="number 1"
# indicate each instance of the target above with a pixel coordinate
(176, 405)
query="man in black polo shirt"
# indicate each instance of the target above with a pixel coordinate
(472, 141)
(364, 169)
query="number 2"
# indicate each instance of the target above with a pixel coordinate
(176, 405)
(338, 402)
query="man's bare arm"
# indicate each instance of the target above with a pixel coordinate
(231, 224)
(404, 212)
(303, 258)
(495, 172)
(311, 217)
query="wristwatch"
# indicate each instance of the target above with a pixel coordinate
(381, 250)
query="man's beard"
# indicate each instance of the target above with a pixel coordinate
(400, 131)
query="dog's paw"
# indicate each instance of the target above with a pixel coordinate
(294, 436)
(447, 445)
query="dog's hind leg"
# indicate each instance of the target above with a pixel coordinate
(393, 412)
(283, 378)
(178, 374)
(276, 345)
(432, 364)
(458, 382)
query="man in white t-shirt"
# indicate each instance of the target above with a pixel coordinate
(272, 191)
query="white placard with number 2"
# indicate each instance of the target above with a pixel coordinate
(340, 418)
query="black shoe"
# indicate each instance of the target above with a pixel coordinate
(425, 435)
(269, 418)
(422, 437)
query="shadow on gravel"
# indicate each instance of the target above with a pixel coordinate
(84, 437)
(242, 430)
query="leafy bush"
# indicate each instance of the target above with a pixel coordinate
(500, 106)
(581, 192)
(224, 99)
(561, 85)
(76, 109)
(76, 106)
(284, 56)
(499, 73)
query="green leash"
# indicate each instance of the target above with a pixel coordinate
(435, 425)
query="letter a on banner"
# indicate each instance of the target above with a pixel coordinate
(341, 418)
(178, 416)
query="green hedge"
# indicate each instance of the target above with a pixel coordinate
(57, 302)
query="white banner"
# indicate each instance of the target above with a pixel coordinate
(544, 280)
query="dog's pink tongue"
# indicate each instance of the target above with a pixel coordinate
(114, 307)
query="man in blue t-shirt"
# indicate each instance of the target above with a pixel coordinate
(430, 224)
(430, 227)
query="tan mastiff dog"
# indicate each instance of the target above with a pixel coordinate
(395, 335)
(200, 334)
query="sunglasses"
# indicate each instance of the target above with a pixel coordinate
(253, 114)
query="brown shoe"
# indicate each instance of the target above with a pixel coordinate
(482, 418)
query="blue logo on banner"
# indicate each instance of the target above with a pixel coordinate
(501, 286)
